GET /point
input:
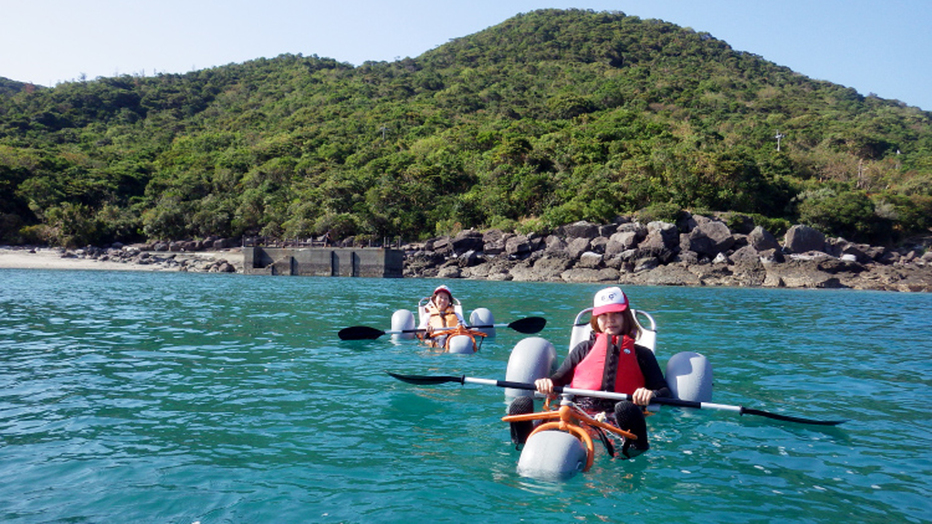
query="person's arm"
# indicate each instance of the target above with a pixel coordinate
(425, 319)
(653, 376)
(564, 374)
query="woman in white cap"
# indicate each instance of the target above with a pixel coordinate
(608, 361)
(440, 314)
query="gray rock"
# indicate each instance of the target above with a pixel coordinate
(656, 254)
(493, 242)
(772, 256)
(590, 259)
(581, 229)
(621, 241)
(747, 254)
(662, 241)
(710, 237)
(449, 272)
(762, 240)
(840, 247)
(468, 240)
(577, 247)
(645, 264)
(517, 246)
(469, 259)
(598, 244)
(800, 239)
(554, 244)
(590, 275)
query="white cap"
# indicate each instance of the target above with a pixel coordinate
(608, 300)
(443, 289)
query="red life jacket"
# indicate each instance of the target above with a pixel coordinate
(590, 372)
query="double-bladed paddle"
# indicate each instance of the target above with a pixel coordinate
(527, 325)
(443, 379)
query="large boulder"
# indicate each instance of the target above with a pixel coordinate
(621, 242)
(710, 237)
(762, 240)
(841, 248)
(493, 242)
(517, 246)
(468, 240)
(589, 259)
(581, 229)
(536, 241)
(662, 241)
(440, 245)
(547, 268)
(746, 255)
(554, 244)
(469, 259)
(636, 227)
(578, 246)
(590, 275)
(800, 239)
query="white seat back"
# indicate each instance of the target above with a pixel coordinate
(582, 329)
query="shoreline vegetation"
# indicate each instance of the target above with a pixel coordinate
(550, 117)
(696, 251)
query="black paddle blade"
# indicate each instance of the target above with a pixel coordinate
(360, 333)
(427, 379)
(529, 325)
(788, 418)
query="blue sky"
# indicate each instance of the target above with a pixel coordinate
(875, 46)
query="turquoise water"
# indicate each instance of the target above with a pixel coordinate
(181, 398)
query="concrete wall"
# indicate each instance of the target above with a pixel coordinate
(323, 262)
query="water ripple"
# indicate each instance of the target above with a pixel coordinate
(183, 398)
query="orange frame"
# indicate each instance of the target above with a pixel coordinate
(572, 420)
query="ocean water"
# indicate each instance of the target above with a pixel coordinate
(180, 398)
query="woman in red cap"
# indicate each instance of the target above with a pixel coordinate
(608, 361)
(440, 314)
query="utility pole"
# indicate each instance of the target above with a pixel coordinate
(778, 137)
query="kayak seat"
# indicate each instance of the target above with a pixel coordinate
(582, 329)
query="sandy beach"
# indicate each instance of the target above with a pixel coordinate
(55, 258)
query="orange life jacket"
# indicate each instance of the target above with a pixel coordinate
(441, 319)
(590, 372)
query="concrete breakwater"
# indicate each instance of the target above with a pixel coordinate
(323, 261)
(697, 251)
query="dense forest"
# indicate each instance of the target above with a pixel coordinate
(547, 118)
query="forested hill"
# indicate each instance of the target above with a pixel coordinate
(548, 118)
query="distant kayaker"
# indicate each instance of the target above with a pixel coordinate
(439, 314)
(609, 361)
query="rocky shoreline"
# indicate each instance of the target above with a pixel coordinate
(697, 251)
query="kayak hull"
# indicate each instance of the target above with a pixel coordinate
(560, 452)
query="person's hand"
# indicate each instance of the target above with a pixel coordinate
(642, 396)
(544, 385)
